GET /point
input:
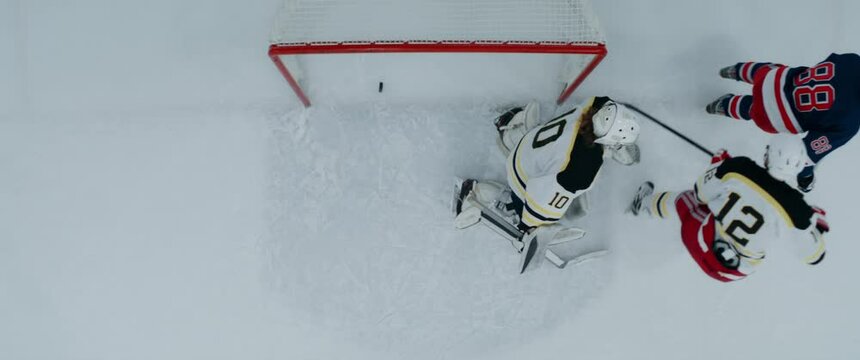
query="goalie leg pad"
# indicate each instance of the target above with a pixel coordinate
(477, 199)
(488, 193)
(533, 247)
(466, 211)
(468, 217)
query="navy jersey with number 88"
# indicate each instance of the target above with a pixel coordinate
(823, 100)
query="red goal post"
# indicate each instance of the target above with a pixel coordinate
(563, 27)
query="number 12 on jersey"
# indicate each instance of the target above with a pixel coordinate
(737, 224)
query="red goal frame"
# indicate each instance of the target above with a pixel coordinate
(597, 50)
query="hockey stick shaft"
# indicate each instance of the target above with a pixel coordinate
(678, 134)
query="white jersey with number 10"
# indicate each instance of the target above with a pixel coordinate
(554, 163)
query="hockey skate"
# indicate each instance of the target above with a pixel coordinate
(645, 190)
(729, 72)
(717, 107)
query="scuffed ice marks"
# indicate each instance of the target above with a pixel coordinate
(362, 245)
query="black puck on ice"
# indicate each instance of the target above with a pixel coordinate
(380, 86)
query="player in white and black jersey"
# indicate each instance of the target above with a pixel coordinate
(550, 166)
(738, 209)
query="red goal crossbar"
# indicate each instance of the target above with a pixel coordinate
(597, 50)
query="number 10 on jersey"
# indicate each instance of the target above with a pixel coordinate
(559, 201)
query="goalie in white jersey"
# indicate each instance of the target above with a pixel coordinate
(737, 210)
(550, 166)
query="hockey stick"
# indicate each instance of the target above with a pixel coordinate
(682, 136)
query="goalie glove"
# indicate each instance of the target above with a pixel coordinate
(514, 124)
(806, 182)
(625, 154)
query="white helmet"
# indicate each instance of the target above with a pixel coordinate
(785, 157)
(615, 124)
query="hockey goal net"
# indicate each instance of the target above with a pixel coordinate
(566, 28)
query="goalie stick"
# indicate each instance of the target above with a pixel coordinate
(501, 226)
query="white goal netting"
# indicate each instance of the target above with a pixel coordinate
(338, 21)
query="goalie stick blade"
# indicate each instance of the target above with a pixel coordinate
(530, 253)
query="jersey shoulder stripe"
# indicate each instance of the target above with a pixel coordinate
(514, 164)
(787, 200)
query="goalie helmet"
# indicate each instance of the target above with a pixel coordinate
(785, 157)
(615, 124)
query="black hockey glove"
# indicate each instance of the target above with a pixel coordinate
(806, 183)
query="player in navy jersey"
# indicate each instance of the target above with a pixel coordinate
(823, 101)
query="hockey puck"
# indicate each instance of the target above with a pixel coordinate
(380, 86)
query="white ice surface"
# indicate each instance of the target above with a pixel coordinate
(163, 196)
